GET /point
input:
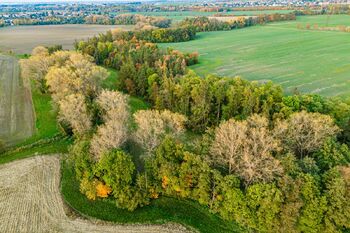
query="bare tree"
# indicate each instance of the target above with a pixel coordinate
(74, 111)
(305, 132)
(40, 51)
(109, 100)
(37, 66)
(114, 132)
(78, 75)
(153, 125)
(246, 147)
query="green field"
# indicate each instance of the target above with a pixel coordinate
(180, 15)
(311, 61)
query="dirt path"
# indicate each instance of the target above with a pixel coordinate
(16, 109)
(30, 201)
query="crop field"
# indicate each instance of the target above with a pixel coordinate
(180, 15)
(309, 60)
(16, 109)
(30, 201)
(22, 39)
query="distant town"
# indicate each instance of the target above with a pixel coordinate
(77, 13)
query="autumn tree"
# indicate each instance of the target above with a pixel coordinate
(246, 147)
(73, 110)
(180, 172)
(37, 66)
(153, 125)
(114, 132)
(78, 75)
(305, 132)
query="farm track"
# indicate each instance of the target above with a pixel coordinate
(16, 108)
(30, 201)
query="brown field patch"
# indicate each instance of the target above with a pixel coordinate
(16, 108)
(22, 39)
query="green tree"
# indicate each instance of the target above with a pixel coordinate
(117, 170)
(312, 212)
(332, 154)
(264, 202)
(337, 214)
(292, 203)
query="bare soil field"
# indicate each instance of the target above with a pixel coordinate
(30, 201)
(22, 39)
(16, 109)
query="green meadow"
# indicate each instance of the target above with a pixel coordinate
(307, 60)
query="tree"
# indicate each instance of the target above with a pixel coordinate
(246, 148)
(332, 154)
(264, 202)
(37, 66)
(114, 100)
(337, 193)
(310, 219)
(153, 125)
(117, 171)
(73, 110)
(78, 75)
(40, 51)
(181, 173)
(81, 158)
(304, 132)
(233, 201)
(292, 203)
(114, 132)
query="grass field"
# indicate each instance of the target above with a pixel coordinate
(16, 109)
(311, 61)
(180, 15)
(22, 39)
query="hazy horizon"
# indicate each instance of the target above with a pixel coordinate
(55, 1)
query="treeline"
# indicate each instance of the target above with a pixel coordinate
(134, 19)
(159, 35)
(122, 19)
(332, 9)
(128, 19)
(316, 27)
(271, 163)
(223, 23)
(148, 25)
(48, 21)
